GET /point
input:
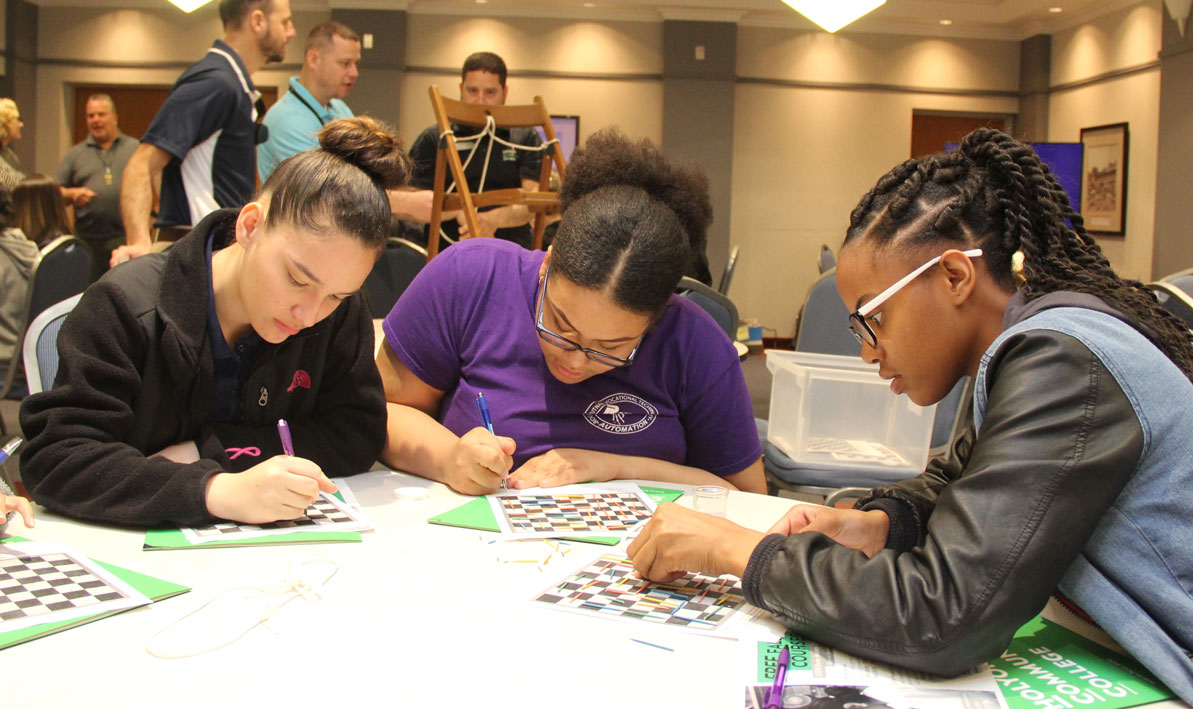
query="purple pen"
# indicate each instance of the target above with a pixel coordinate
(284, 434)
(774, 697)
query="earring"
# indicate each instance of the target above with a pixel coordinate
(1017, 268)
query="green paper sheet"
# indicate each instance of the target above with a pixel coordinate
(162, 539)
(477, 514)
(1049, 665)
(172, 538)
(154, 588)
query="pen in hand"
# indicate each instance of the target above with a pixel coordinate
(284, 434)
(483, 407)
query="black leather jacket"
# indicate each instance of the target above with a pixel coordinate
(136, 376)
(980, 540)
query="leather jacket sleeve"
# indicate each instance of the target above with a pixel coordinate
(1059, 441)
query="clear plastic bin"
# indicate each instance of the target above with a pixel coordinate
(830, 411)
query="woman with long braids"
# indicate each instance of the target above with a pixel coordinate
(1074, 478)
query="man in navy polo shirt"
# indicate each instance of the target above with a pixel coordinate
(201, 144)
(330, 67)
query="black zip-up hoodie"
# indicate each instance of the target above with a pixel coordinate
(135, 376)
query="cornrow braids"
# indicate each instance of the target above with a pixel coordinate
(994, 192)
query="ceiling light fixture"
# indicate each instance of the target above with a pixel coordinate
(1179, 9)
(1055, 9)
(946, 23)
(189, 5)
(832, 15)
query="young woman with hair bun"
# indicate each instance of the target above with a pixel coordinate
(176, 367)
(592, 367)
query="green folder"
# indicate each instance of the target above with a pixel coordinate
(154, 588)
(173, 538)
(1049, 664)
(1045, 665)
(477, 514)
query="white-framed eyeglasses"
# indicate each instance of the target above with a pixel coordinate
(858, 324)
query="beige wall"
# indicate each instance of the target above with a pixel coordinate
(1124, 39)
(804, 155)
(620, 53)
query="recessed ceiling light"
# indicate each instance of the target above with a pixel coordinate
(1056, 9)
(590, 4)
(481, 2)
(189, 5)
(832, 15)
(946, 22)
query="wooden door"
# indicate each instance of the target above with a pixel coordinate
(930, 132)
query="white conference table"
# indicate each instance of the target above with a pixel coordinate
(417, 615)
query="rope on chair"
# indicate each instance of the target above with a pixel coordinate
(490, 130)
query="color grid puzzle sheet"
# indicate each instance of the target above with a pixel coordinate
(611, 509)
(45, 582)
(327, 514)
(607, 587)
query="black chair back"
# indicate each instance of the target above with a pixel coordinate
(62, 269)
(727, 274)
(718, 306)
(393, 273)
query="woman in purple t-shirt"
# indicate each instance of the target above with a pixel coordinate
(592, 368)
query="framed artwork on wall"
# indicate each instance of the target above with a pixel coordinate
(1104, 178)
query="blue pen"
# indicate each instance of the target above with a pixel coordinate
(284, 434)
(483, 407)
(774, 697)
(10, 448)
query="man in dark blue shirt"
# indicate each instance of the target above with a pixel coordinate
(202, 142)
(482, 82)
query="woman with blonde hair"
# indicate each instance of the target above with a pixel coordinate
(11, 171)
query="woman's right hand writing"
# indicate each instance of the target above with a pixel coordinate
(479, 462)
(279, 488)
(865, 531)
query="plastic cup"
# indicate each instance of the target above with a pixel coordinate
(711, 500)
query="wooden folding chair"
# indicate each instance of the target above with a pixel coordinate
(541, 203)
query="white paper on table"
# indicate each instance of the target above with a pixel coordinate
(61, 577)
(886, 684)
(328, 514)
(611, 509)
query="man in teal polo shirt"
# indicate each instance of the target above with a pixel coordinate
(316, 96)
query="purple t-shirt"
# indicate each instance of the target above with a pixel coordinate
(466, 324)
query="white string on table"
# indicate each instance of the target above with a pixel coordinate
(295, 586)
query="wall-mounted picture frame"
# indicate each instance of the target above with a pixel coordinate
(1104, 178)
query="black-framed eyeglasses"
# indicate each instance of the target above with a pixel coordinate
(858, 324)
(564, 343)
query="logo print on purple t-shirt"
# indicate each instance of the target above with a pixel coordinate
(621, 413)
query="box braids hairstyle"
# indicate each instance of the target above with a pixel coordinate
(994, 192)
